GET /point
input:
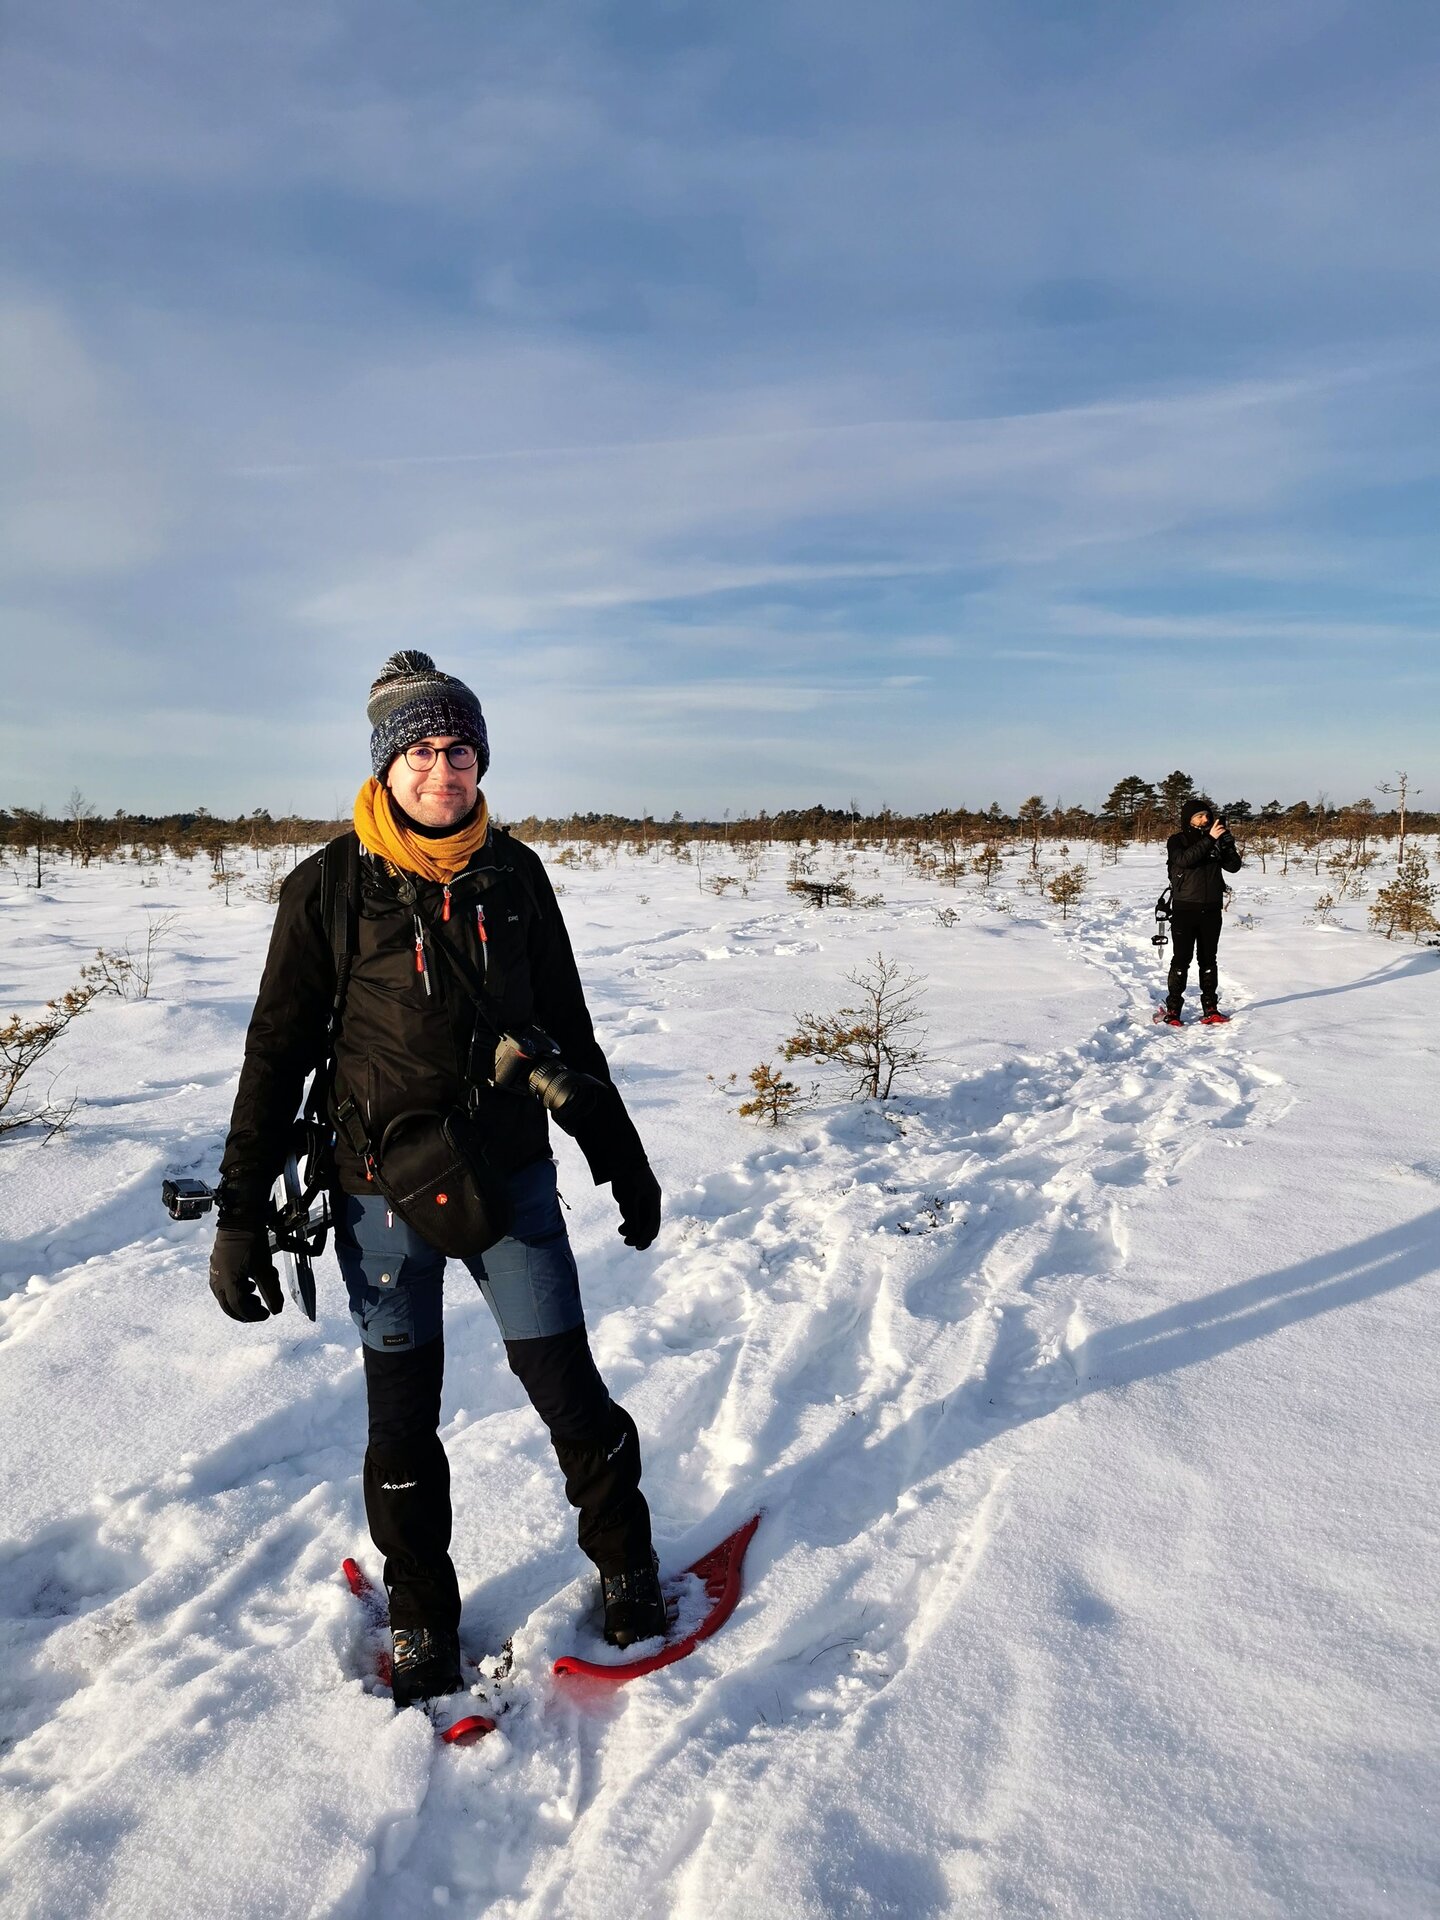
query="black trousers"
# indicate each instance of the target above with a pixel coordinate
(1196, 933)
(407, 1477)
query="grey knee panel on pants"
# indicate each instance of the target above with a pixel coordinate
(529, 1279)
(395, 1279)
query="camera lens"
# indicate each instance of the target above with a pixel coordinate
(560, 1089)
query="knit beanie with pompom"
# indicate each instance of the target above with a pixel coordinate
(411, 700)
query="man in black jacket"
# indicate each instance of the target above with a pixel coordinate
(1199, 857)
(458, 939)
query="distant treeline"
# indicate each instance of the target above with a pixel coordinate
(1135, 810)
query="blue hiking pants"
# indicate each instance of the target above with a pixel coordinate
(396, 1280)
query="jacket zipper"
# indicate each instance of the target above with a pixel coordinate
(420, 966)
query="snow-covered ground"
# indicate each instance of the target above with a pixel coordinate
(1088, 1391)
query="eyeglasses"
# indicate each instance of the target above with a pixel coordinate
(420, 759)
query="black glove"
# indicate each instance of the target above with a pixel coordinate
(637, 1194)
(239, 1263)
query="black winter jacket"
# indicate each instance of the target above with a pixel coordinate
(1198, 865)
(405, 1035)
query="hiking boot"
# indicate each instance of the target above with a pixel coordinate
(634, 1605)
(424, 1663)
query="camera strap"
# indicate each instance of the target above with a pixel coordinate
(459, 963)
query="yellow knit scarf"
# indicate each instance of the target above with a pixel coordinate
(441, 859)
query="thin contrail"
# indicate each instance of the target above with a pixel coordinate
(498, 456)
(1241, 394)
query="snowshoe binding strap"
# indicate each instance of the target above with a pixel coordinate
(424, 1664)
(634, 1605)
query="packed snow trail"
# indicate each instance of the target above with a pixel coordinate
(1084, 1388)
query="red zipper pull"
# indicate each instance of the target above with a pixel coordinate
(480, 925)
(445, 914)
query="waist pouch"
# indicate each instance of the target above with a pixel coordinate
(433, 1170)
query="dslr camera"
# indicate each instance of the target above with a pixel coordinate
(530, 1062)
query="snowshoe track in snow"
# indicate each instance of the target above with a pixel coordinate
(864, 1322)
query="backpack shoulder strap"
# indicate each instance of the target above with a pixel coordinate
(340, 911)
(504, 854)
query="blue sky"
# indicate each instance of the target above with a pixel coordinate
(756, 403)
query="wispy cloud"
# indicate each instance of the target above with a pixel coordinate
(81, 492)
(1251, 629)
(717, 368)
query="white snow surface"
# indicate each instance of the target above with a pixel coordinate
(1087, 1389)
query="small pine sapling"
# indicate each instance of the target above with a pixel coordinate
(987, 862)
(1407, 904)
(1066, 888)
(823, 893)
(773, 1098)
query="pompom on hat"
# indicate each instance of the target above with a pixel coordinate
(411, 700)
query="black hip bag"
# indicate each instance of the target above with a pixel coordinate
(434, 1172)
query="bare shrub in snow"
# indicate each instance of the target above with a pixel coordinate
(1401, 788)
(1264, 846)
(129, 971)
(874, 1042)
(81, 828)
(23, 1045)
(272, 877)
(1347, 869)
(953, 865)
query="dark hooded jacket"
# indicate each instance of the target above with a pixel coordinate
(410, 1039)
(1198, 865)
